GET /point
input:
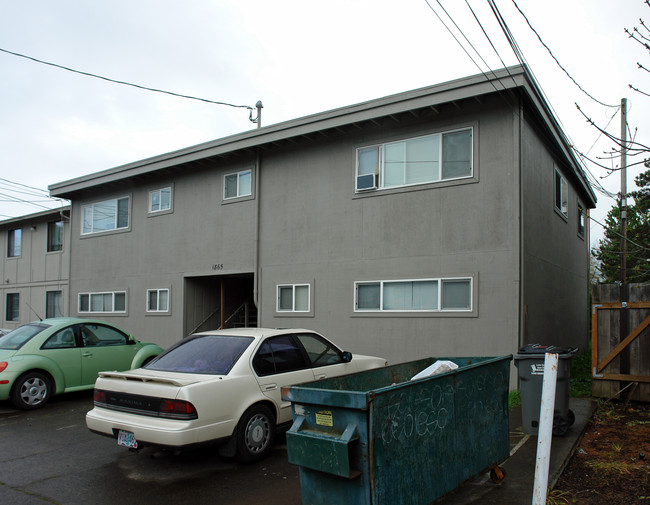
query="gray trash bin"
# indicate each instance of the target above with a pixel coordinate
(530, 363)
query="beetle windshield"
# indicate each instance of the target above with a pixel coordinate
(14, 340)
(204, 354)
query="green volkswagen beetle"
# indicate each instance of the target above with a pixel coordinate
(61, 355)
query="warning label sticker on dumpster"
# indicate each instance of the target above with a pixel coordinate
(324, 418)
(537, 369)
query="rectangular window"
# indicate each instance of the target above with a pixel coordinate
(561, 194)
(420, 160)
(158, 300)
(13, 302)
(420, 295)
(160, 199)
(53, 304)
(293, 298)
(582, 217)
(237, 185)
(102, 302)
(14, 240)
(105, 216)
(54, 236)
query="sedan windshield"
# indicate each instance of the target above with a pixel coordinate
(14, 340)
(205, 354)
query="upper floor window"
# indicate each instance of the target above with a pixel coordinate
(420, 295)
(158, 300)
(420, 160)
(160, 199)
(561, 195)
(582, 217)
(102, 302)
(293, 298)
(14, 240)
(237, 184)
(55, 236)
(105, 216)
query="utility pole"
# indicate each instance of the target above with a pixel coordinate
(623, 191)
(624, 321)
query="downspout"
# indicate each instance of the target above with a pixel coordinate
(523, 309)
(256, 263)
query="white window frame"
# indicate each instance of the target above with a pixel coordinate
(377, 182)
(93, 207)
(112, 294)
(158, 309)
(582, 220)
(293, 309)
(561, 206)
(14, 243)
(159, 191)
(440, 282)
(238, 175)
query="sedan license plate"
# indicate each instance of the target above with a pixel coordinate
(127, 439)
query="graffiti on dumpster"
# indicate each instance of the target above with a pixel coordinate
(476, 396)
(429, 411)
(419, 414)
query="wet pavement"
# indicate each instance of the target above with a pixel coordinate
(48, 456)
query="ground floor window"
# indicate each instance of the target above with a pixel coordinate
(102, 302)
(13, 302)
(53, 304)
(293, 298)
(158, 300)
(414, 295)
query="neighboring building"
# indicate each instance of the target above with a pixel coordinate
(448, 220)
(35, 267)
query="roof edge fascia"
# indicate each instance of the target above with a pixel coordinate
(430, 96)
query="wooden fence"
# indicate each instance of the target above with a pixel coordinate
(620, 337)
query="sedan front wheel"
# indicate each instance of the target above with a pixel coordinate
(31, 391)
(255, 434)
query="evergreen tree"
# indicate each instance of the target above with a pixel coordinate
(608, 251)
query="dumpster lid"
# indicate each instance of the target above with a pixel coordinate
(540, 349)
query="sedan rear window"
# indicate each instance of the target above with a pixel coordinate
(204, 354)
(20, 336)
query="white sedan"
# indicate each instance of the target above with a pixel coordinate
(218, 386)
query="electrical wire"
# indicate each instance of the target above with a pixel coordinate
(146, 88)
(556, 60)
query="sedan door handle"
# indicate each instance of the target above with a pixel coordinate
(86, 354)
(270, 387)
(320, 377)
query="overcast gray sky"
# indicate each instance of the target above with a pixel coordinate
(298, 56)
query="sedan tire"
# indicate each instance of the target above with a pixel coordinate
(255, 434)
(32, 390)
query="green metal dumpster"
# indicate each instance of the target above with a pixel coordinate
(379, 438)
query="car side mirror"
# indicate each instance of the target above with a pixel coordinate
(347, 357)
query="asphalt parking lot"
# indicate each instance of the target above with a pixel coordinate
(48, 456)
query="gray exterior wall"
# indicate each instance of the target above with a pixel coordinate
(305, 224)
(35, 271)
(556, 257)
(315, 229)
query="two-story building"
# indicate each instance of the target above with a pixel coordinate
(447, 220)
(35, 267)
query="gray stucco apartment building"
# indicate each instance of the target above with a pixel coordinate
(448, 220)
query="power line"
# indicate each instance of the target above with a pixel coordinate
(146, 88)
(556, 60)
(25, 186)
